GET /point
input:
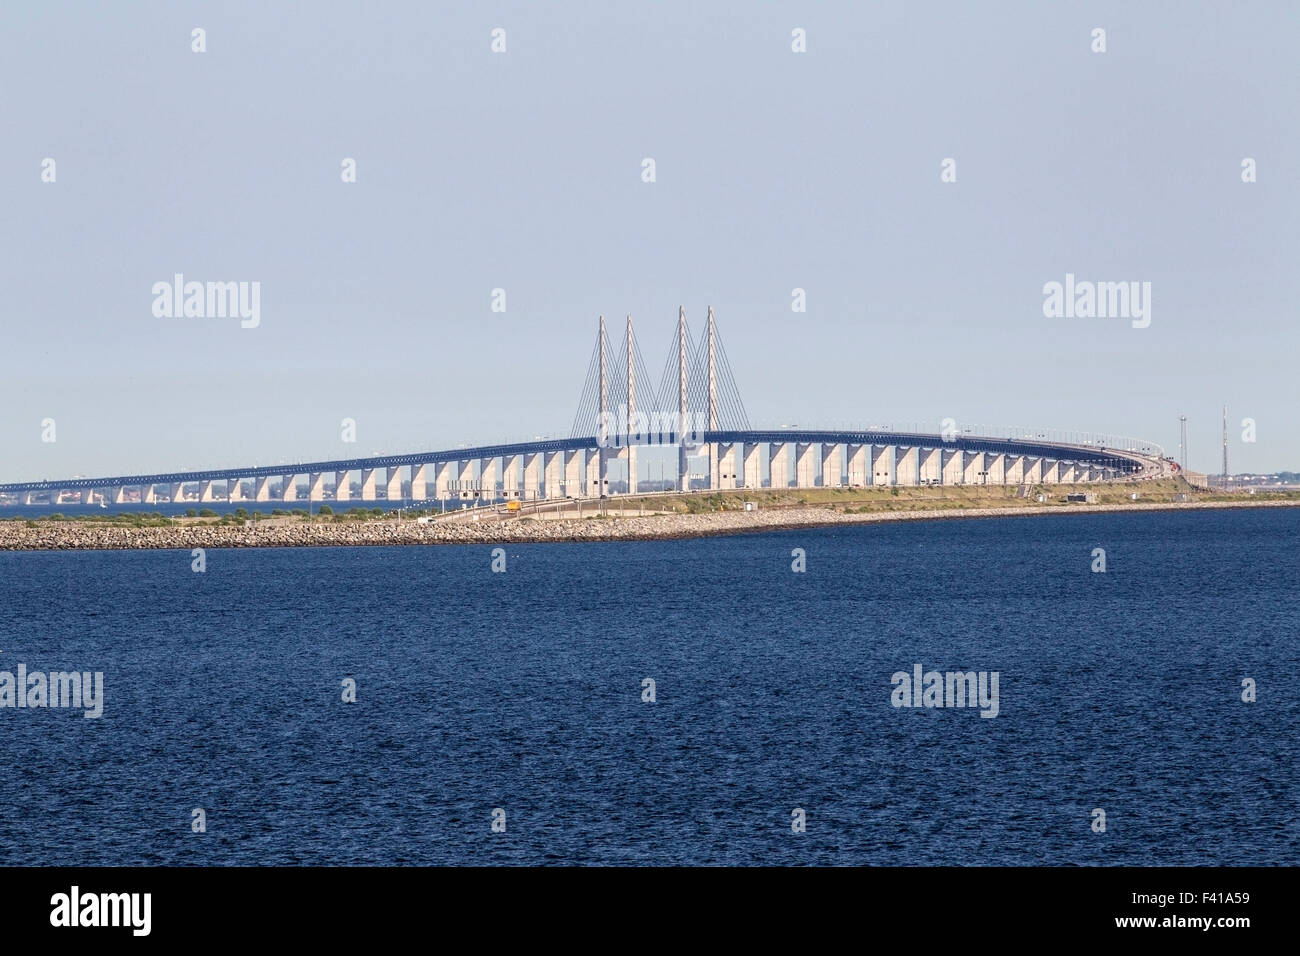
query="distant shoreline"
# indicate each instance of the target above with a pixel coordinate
(88, 536)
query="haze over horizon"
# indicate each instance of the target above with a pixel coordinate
(523, 171)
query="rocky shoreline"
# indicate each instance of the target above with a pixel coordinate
(83, 536)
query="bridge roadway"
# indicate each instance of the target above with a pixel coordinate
(1108, 462)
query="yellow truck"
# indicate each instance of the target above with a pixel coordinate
(512, 506)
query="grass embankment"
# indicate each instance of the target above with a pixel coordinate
(942, 497)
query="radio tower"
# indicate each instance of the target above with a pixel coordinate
(1225, 446)
(1182, 444)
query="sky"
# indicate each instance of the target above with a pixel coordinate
(523, 170)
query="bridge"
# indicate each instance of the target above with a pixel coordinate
(696, 408)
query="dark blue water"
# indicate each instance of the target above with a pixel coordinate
(522, 690)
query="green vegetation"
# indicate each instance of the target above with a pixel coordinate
(936, 497)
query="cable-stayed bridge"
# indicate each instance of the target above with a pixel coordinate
(696, 407)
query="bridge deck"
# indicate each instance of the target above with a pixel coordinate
(1124, 461)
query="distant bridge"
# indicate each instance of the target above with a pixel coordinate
(697, 406)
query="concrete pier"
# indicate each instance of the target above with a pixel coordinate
(554, 468)
(753, 465)
(859, 468)
(574, 468)
(996, 465)
(779, 465)
(930, 466)
(442, 481)
(595, 474)
(533, 475)
(510, 472)
(1015, 470)
(419, 482)
(832, 466)
(882, 464)
(489, 471)
(953, 467)
(907, 466)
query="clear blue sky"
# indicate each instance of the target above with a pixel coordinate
(522, 171)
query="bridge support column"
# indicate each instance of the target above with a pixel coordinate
(1015, 473)
(176, 492)
(1068, 472)
(727, 455)
(882, 464)
(930, 466)
(532, 474)
(119, 496)
(466, 483)
(289, 488)
(593, 487)
(420, 482)
(974, 471)
(713, 465)
(316, 486)
(832, 466)
(510, 476)
(442, 480)
(779, 465)
(753, 465)
(997, 469)
(343, 486)
(234, 489)
(857, 466)
(1051, 473)
(906, 466)
(631, 471)
(804, 473)
(88, 497)
(952, 466)
(573, 469)
(488, 477)
(368, 482)
(554, 472)
(393, 487)
(148, 495)
(205, 491)
(1033, 471)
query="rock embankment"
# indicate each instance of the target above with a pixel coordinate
(88, 536)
